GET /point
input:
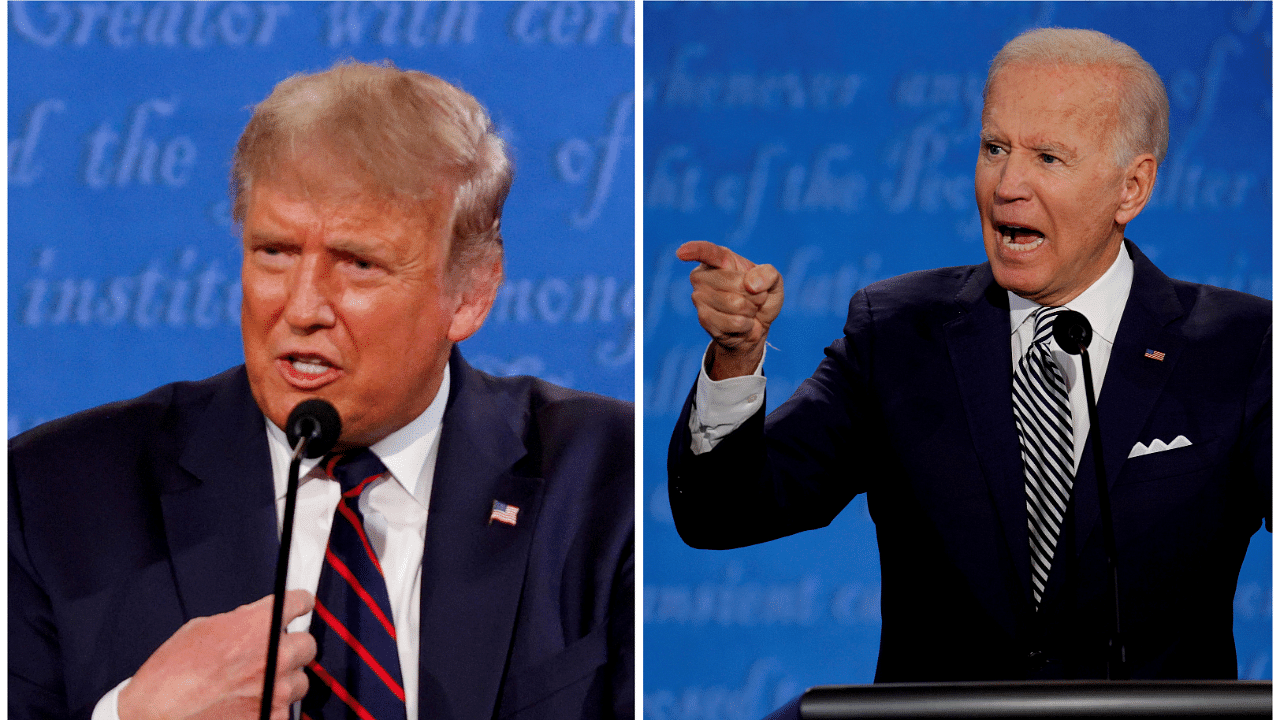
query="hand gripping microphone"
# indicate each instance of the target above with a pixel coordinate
(1073, 333)
(313, 429)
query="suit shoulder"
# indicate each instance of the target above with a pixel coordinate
(572, 432)
(1219, 299)
(564, 410)
(938, 284)
(600, 414)
(916, 292)
(1216, 312)
(119, 425)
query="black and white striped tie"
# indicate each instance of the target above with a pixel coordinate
(1043, 415)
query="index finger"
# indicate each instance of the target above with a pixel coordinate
(712, 255)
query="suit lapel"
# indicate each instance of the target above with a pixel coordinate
(473, 569)
(219, 507)
(1132, 383)
(978, 344)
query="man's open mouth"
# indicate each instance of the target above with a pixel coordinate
(1020, 238)
(309, 365)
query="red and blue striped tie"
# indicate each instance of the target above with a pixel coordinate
(356, 673)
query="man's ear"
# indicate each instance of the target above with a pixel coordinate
(477, 288)
(1139, 181)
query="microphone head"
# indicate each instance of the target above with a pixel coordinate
(1072, 331)
(317, 421)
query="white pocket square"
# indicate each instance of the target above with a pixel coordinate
(1158, 446)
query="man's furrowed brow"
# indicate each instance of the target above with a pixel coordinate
(266, 237)
(989, 136)
(1051, 147)
(351, 244)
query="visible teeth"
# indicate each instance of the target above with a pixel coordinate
(1009, 235)
(310, 368)
(1010, 243)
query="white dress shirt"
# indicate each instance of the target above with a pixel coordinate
(721, 406)
(395, 516)
(1102, 304)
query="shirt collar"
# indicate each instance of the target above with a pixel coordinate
(1102, 303)
(404, 452)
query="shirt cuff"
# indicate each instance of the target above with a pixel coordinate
(722, 406)
(108, 708)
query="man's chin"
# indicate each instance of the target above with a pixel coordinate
(278, 403)
(1021, 282)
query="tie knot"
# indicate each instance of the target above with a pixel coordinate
(1044, 323)
(354, 469)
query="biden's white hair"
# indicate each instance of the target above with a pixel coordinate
(1143, 122)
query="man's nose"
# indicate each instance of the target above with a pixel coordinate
(310, 303)
(1014, 178)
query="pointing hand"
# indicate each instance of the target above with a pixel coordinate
(737, 300)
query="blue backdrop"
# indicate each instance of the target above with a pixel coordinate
(837, 142)
(123, 265)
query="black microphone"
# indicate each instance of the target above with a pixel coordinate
(318, 422)
(313, 428)
(1071, 330)
(1073, 333)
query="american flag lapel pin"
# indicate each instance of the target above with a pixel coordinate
(503, 513)
(1154, 355)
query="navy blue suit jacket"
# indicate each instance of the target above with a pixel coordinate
(914, 407)
(128, 520)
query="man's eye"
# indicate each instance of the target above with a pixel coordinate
(361, 265)
(993, 149)
(1049, 159)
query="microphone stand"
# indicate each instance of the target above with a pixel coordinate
(1116, 669)
(1073, 333)
(282, 571)
(314, 427)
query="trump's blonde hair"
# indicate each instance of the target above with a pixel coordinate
(405, 135)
